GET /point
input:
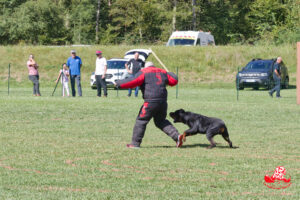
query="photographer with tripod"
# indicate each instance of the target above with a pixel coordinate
(64, 75)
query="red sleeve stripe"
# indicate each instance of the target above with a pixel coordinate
(133, 82)
(173, 80)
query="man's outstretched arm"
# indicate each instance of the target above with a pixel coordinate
(132, 82)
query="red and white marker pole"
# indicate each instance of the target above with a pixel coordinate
(298, 73)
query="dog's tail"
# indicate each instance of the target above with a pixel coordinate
(225, 135)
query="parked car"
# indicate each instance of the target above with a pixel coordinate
(116, 67)
(259, 73)
(115, 71)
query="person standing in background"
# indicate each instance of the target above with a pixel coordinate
(74, 63)
(33, 75)
(64, 74)
(100, 72)
(277, 78)
(133, 66)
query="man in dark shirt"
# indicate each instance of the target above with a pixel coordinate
(153, 82)
(277, 78)
(133, 66)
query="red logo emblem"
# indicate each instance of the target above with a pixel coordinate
(158, 76)
(143, 112)
(277, 180)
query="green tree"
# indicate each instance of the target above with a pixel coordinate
(136, 20)
(274, 20)
(36, 23)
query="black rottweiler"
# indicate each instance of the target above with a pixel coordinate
(201, 124)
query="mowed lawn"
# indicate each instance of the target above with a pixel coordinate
(74, 148)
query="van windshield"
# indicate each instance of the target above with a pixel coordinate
(117, 64)
(173, 42)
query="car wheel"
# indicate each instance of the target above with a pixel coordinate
(286, 83)
(239, 86)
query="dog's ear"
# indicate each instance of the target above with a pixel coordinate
(181, 110)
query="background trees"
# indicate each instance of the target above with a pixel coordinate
(147, 21)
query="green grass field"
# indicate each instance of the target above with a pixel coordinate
(214, 65)
(74, 148)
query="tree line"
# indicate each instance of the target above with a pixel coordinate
(59, 22)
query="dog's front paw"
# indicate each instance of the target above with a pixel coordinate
(184, 137)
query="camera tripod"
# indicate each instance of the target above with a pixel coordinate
(61, 76)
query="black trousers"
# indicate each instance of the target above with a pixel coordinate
(36, 83)
(100, 82)
(157, 110)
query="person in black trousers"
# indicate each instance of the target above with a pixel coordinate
(153, 82)
(100, 72)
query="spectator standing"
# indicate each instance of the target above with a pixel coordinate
(133, 66)
(74, 63)
(153, 82)
(64, 73)
(33, 75)
(100, 72)
(276, 78)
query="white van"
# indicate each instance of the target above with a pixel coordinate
(191, 38)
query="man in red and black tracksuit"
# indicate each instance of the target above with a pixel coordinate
(153, 82)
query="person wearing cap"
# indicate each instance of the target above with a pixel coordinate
(153, 82)
(133, 66)
(100, 72)
(277, 78)
(74, 63)
(33, 75)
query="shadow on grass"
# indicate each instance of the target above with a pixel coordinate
(193, 146)
(265, 89)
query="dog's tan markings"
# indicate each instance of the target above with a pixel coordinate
(184, 135)
(222, 130)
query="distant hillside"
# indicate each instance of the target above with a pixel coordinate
(197, 65)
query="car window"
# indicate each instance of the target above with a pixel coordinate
(116, 64)
(259, 65)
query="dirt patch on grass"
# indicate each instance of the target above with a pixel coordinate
(26, 170)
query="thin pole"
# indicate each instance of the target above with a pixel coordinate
(298, 73)
(62, 80)
(237, 85)
(8, 78)
(118, 87)
(177, 84)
